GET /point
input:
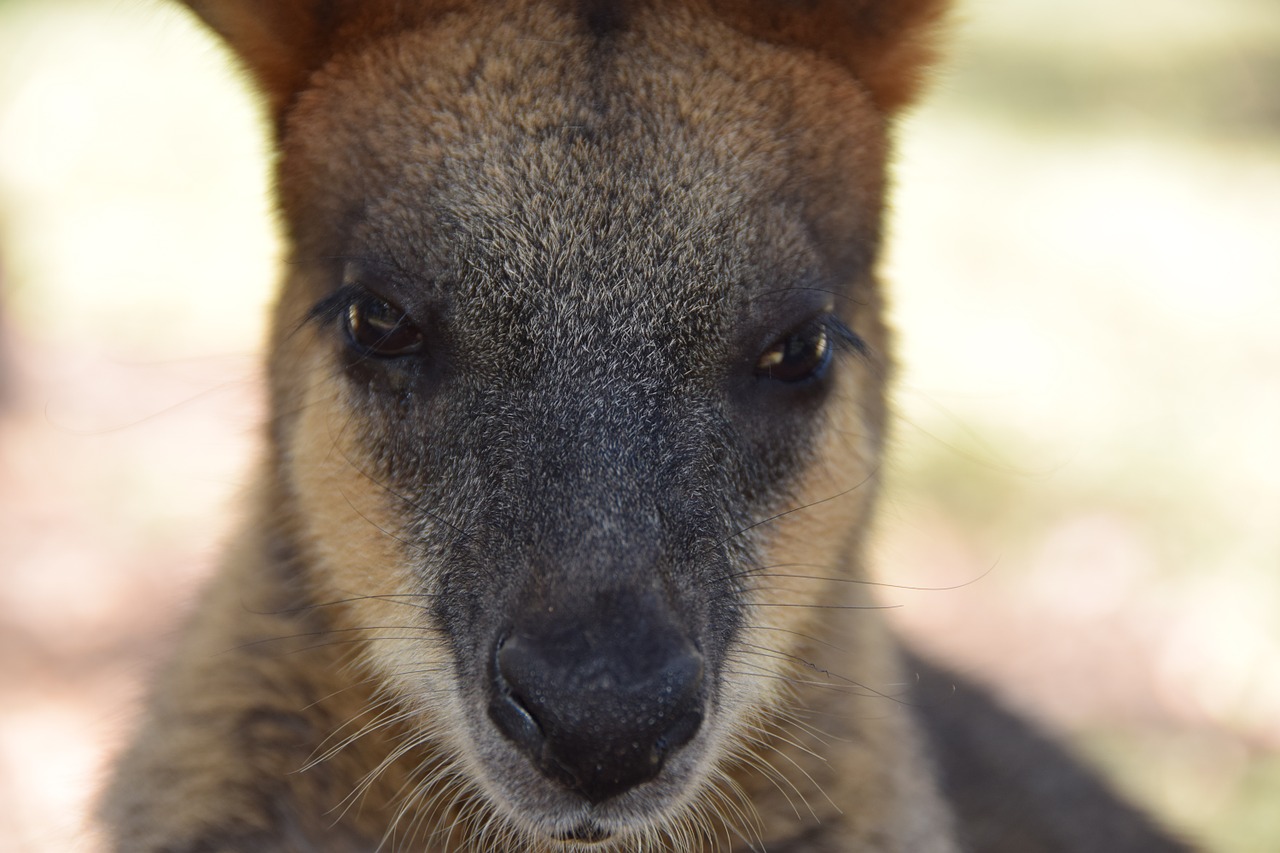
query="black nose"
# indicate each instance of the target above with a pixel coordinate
(598, 702)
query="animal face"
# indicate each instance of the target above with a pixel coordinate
(577, 379)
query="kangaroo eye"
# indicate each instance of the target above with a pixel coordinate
(378, 329)
(802, 354)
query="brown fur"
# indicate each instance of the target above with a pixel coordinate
(631, 184)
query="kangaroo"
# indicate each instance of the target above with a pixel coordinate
(577, 383)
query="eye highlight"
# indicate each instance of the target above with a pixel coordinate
(378, 329)
(807, 351)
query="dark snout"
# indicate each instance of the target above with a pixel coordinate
(598, 697)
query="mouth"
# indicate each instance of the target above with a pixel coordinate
(585, 832)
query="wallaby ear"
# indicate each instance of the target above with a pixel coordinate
(894, 45)
(888, 45)
(280, 42)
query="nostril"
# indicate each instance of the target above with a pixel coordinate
(680, 733)
(599, 718)
(514, 720)
(509, 712)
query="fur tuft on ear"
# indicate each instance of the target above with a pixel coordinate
(280, 42)
(886, 44)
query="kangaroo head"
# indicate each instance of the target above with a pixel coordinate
(580, 345)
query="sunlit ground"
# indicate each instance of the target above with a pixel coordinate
(1086, 274)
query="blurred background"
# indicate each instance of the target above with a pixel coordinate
(1085, 268)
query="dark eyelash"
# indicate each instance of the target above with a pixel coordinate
(845, 338)
(333, 306)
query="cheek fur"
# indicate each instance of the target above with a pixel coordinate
(808, 570)
(365, 561)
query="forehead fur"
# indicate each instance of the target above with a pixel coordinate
(519, 157)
